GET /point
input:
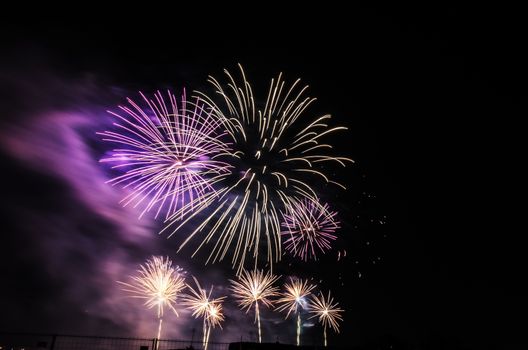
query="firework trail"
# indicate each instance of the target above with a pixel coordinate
(276, 159)
(293, 299)
(253, 288)
(167, 151)
(158, 283)
(201, 305)
(327, 312)
(308, 227)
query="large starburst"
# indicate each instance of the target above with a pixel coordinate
(277, 157)
(167, 152)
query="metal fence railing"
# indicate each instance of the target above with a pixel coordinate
(30, 341)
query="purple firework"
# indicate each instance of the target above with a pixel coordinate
(167, 152)
(308, 227)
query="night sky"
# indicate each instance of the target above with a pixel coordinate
(434, 100)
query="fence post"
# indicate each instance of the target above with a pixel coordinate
(53, 338)
(154, 343)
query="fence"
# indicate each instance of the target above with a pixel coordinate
(29, 341)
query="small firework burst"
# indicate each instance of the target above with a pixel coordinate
(215, 316)
(327, 312)
(253, 288)
(159, 283)
(202, 305)
(308, 227)
(294, 295)
(293, 299)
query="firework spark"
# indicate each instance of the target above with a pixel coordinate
(308, 227)
(294, 298)
(327, 312)
(167, 151)
(253, 288)
(276, 157)
(201, 305)
(159, 283)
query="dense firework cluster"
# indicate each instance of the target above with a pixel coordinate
(248, 170)
(163, 285)
(239, 177)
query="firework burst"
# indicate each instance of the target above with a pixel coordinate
(253, 288)
(293, 299)
(215, 315)
(158, 283)
(201, 305)
(308, 227)
(167, 151)
(276, 157)
(327, 312)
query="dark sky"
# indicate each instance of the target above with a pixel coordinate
(433, 98)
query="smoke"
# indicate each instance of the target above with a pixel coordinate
(67, 238)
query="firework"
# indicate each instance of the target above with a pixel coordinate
(201, 305)
(293, 299)
(276, 156)
(327, 312)
(308, 227)
(159, 284)
(167, 152)
(253, 288)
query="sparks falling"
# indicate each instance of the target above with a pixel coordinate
(293, 299)
(159, 284)
(253, 288)
(327, 312)
(167, 152)
(308, 227)
(276, 159)
(202, 305)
